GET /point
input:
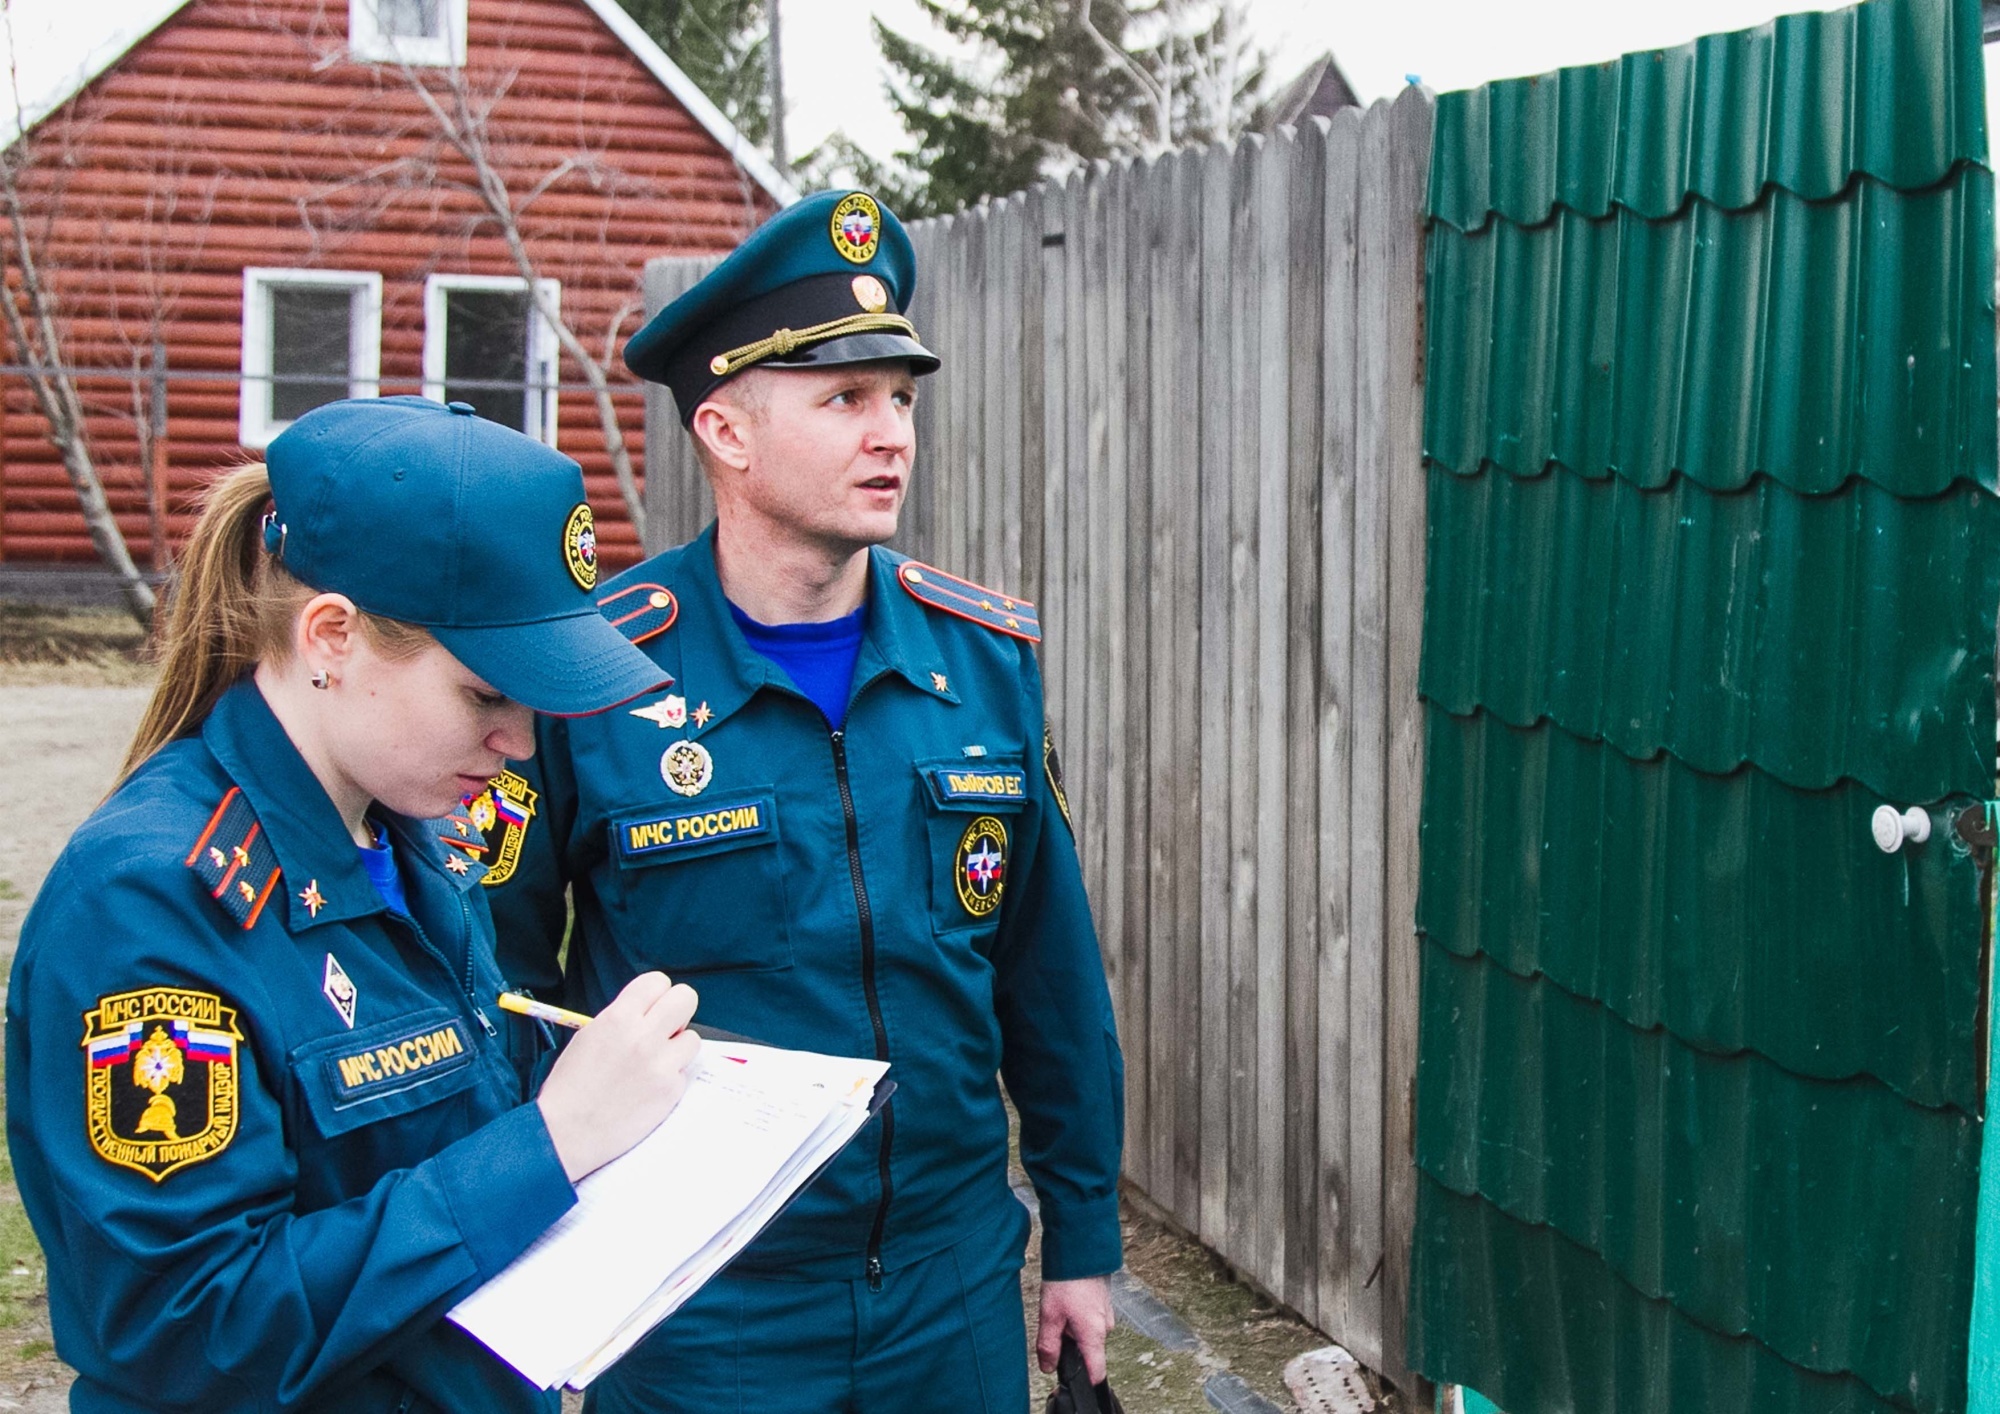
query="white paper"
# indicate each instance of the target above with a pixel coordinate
(654, 1224)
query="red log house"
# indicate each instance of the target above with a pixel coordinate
(257, 190)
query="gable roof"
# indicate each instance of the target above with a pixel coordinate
(140, 18)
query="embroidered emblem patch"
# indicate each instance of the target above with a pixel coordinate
(160, 1087)
(340, 990)
(669, 711)
(871, 294)
(1052, 768)
(580, 547)
(857, 227)
(687, 768)
(502, 812)
(981, 866)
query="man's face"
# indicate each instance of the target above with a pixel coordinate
(828, 451)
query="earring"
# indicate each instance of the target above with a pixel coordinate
(321, 680)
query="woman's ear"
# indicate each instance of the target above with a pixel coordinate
(327, 636)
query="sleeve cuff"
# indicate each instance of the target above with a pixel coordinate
(1081, 1239)
(505, 1186)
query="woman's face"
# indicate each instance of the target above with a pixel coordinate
(420, 733)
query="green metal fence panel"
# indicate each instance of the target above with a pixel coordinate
(1697, 1094)
(1821, 637)
(1806, 102)
(1832, 958)
(1715, 1182)
(1791, 340)
(1541, 1323)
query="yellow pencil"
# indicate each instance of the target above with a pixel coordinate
(542, 1011)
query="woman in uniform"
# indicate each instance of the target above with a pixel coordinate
(264, 1111)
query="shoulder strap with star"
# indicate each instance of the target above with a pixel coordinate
(988, 608)
(234, 860)
(461, 841)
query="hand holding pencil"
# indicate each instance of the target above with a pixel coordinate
(622, 1075)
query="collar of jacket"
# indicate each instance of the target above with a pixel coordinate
(720, 668)
(296, 814)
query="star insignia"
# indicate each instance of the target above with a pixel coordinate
(456, 863)
(243, 888)
(986, 604)
(939, 683)
(221, 859)
(312, 898)
(1013, 623)
(241, 856)
(459, 825)
(701, 715)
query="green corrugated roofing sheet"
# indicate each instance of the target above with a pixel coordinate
(1806, 102)
(1830, 957)
(1715, 1182)
(1759, 626)
(1707, 583)
(1539, 1323)
(1793, 340)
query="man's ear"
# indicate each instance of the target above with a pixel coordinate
(327, 634)
(722, 429)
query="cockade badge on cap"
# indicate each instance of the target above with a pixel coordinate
(857, 227)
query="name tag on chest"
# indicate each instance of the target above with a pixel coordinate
(399, 1061)
(989, 787)
(691, 830)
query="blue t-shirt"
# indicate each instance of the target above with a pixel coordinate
(380, 862)
(819, 657)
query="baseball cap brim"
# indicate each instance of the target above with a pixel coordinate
(572, 666)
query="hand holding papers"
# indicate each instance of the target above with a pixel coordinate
(650, 1227)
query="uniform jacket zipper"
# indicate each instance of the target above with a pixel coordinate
(874, 1003)
(470, 983)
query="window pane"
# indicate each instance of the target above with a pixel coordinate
(311, 334)
(486, 343)
(411, 19)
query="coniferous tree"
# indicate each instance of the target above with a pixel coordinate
(721, 45)
(1051, 83)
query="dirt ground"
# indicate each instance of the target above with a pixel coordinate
(72, 686)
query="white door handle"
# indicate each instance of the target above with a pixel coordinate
(1892, 827)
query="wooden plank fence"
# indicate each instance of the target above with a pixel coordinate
(1180, 409)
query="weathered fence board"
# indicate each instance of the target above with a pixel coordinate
(1179, 409)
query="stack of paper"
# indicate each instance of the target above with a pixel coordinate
(650, 1227)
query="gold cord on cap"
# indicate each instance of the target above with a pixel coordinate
(786, 341)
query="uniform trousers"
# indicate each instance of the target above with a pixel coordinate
(945, 1335)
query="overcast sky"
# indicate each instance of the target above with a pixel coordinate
(833, 73)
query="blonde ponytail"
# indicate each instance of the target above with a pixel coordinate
(230, 605)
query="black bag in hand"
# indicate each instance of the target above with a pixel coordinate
(1074, 1393)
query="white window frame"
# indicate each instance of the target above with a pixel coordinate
(255, 427)
(544, 362)
(367, 42)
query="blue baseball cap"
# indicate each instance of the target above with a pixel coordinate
(421, 512)
(826, 281)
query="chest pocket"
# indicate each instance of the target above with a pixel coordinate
(973, 817)
(385, 1070)
(716, 859)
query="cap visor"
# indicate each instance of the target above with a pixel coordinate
(567, 667)
(861, 348)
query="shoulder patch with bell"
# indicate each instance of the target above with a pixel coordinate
(640, 611)
(963, 599)
(234, 860)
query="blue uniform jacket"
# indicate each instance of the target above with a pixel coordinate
(907, 888)
(266, 1132)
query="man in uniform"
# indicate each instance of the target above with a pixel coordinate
(844, 823)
